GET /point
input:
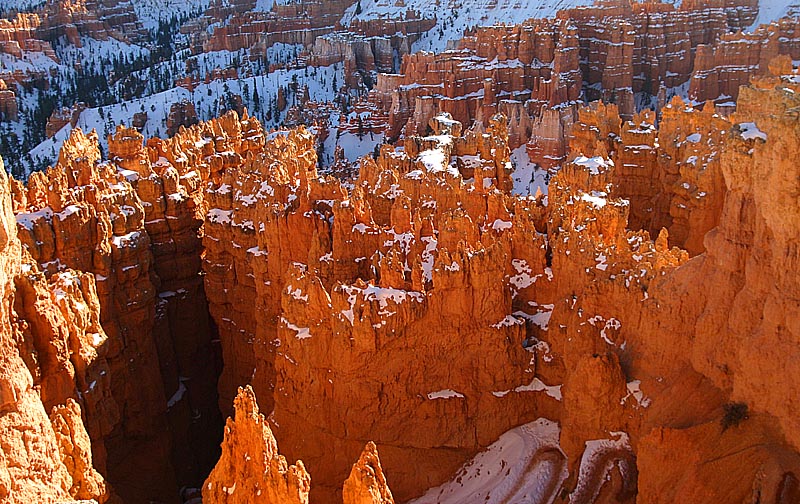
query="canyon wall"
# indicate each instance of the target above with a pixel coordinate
(420, 311)
(136, 232)
(384, 334)
(54, 367)
(633, 55)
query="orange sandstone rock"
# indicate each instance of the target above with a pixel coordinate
(367, 483)
(250, 468)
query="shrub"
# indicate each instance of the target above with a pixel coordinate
(735, 413)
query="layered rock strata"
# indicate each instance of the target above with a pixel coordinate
(425, 309)
(53, 361)
(140, 243)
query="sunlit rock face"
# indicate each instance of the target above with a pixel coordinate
(602, 333)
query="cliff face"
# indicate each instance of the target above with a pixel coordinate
(138, 242)
(755, 243)
(670, 174)
(753, 304)
(721, 68)
(50, 340)
(421, 307)
(293, 23)
(632, 55)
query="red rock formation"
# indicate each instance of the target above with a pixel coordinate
(720, 69)
(8, 103)
(91, 217)
(43, 459)
(671, 174)
(76, 452)
(621, 51)
(291, 23)
(181, 113)
(21, 34)
(484, 311)
(367, 483)
(250, 468)
(60, 118)
(91, 18)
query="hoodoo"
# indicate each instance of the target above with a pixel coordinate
(522, 258)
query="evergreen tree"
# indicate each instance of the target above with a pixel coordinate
(256, 99)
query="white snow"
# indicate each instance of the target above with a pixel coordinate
(541, 318)
(593, 164)
(601, 261)
(500, 225)
(383, 294)
(524, 465)
(28, 220)
(537, 385)
(634, 390)
(527, 178)
(150, 11)
(20, 5)
(508, 321)
(523, 279)
(774, 9)
(218, 216)
(592, 455)
(749, 130)
(302, 332)
(444, 394)
(434, 162)
(355, 146)
(125, 240)
(595, 199)
(427, 257)
(297, 293)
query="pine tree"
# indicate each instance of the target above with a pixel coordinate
(256, 99)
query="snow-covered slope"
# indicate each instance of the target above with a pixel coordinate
(454, 16)
(770, 10)
(205, 97)
(19, 5)
(150, 11)
(523, 465)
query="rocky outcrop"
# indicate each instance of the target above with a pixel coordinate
(44, 458)
(9, 111)
(425, 308)
(61, 117)
(21, 34)
(623, 53)
(367, 483)
(529, 66)
(671, 175)
(181, 114)
(120, 226)
(250, 468)
(359, 54)
(99, 20)
(76, 455)
(721, 68)
(291, 23)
